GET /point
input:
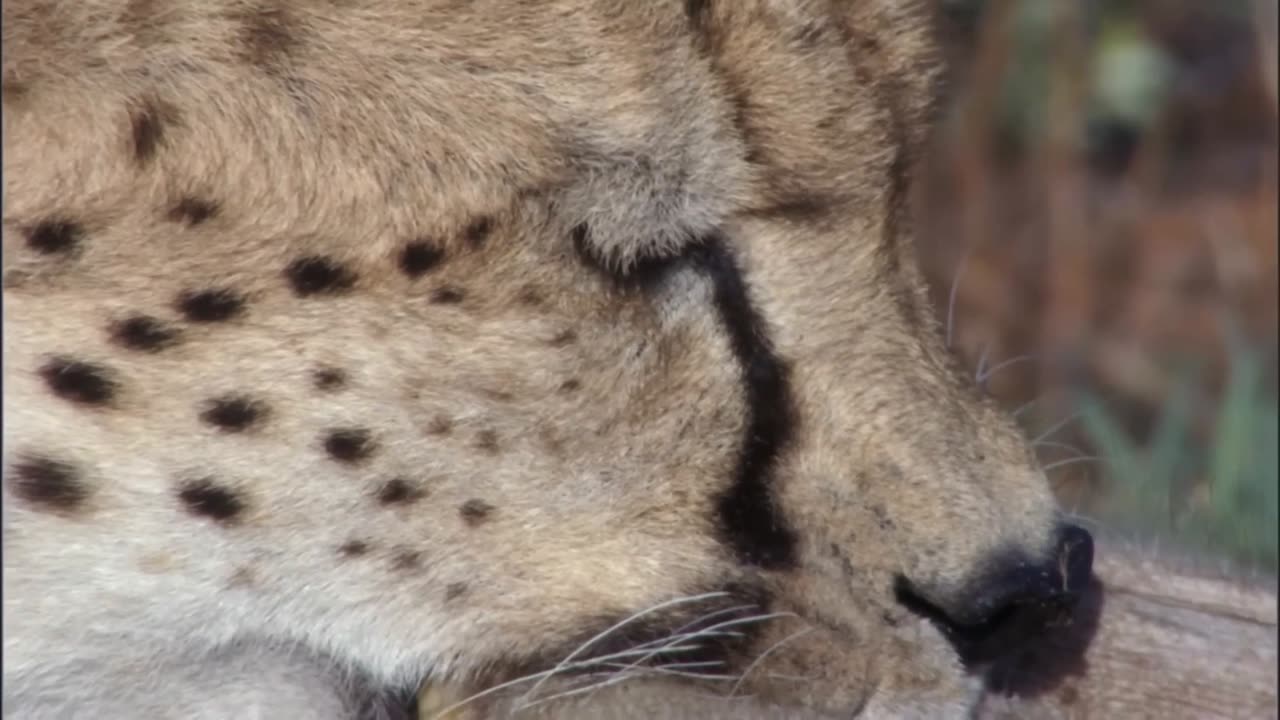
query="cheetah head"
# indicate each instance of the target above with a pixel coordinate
(385, 336)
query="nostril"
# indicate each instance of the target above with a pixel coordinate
(1013, 602)
(1075, 557)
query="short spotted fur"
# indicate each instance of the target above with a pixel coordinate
(351, 346)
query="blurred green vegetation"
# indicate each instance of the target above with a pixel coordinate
(1204, 475)
(1222, 496)
(1130, 75)
(1128, 79)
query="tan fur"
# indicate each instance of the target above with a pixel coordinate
(563, 439)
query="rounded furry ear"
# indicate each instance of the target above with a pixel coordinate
(642, 203)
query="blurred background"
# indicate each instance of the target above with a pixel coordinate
(1097, 217)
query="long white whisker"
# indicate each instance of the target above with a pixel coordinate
(716, 630)
(797, 678)
(951, 296)
(613, 628)
(670, 644)
(614, 679)
(983, 377)
(741, 621)
(628, 673)
(760, 658)
(665, 642)
(620, 655)
(701, 663)
(488, 691)
(671, 670)
(708, 616)
(1069, 461)
(710, 632)
(633, 652)
(669, 647)
(982, 362)
(1061, 446)
(1055, 427)
(1084, 520)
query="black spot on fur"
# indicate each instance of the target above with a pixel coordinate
(316, 275)
(50, 237)
(207, 306)
(349, 445)
(193, 210)
(551, 441)
(453, 591)
(530, 297)
(406, 560)
(834, 551)
(882, 517)
(81, 382)
(328, 379)
(14, 91)
(143, 333)
(571, 385)
(233, 413)
(440, 426)
(268, 37)
(47, 483)
(487, 440)
(794, 207)
(478, 231)
(243, 577)
(419, 257)
(209, 499)
(475, 512)
(149, 122)
(353, 548)
(748, 516)
(447, 296)
(399, 491)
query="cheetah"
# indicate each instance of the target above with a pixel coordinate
(352, 345)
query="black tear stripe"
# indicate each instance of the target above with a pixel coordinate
(746, 512)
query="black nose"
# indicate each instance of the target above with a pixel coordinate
(1013, 602)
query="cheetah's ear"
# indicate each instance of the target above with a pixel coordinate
(634, 206)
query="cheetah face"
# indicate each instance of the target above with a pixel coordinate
(641, 386)
(873, 497)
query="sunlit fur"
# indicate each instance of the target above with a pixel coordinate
(457, 317)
